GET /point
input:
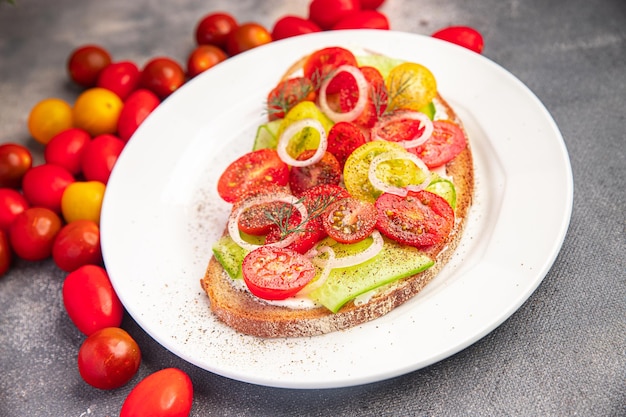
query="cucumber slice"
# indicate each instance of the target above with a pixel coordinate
(382, 63)
(394, 262)
(445, 189)
(230, 255)
(429, 110)
(266, 135)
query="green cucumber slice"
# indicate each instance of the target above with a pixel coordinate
(266, 135)
(230, 255)
(383, 64)
(394, 262)
(444, 188)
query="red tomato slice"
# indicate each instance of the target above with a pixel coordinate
(321, 63)
(326, 171)
(446, 142)
(343, 139)
(253, 170)
(287, 94)
(393, 127)
(420, 219)
(376, 100)
(350, 220)
(274, 273)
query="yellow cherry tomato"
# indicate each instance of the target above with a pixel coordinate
(48, 118)
(97, 111)
(410, 86)
(82, 200)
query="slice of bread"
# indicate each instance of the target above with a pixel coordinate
(248, 314)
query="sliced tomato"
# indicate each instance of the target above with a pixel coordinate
(419, 219)
(310, 231)
(326, 171)
(349, 220)
(253, 170)
(376, 100)
(343, 139)
(274, 273)
(394, 127)
(287, 94)
(446, 142)
(321, 63)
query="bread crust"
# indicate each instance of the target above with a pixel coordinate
(248, 314)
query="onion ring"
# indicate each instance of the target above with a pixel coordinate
(406, 114)
(362, 87)
(290, 131)
(389, 156)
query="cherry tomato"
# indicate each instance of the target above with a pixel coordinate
(214, 28)
(97, 110)
(49, 117)
(122, 78)
(376, 98)
(445, 143)
(204, 57)
(326, 171)
(82, 200)
(287, 94)
(326, 13)
(350, 220)
(108, 358)
(15, 161)
(255, 220)
(162, 76)
(251, 171)
(464, 36)
(44, 184)
(247, 36)
(288, 26)
(99, 157)
(371, 4)
(397, 126)
(274, 273)
(90, 300)
(419, 219)
(137, 108)
(6, 256)
(343, 139)
(322, 62)
(165, 393)
(364, 19)
(66, 149)
(32, 233)
(85, 64)
(77, 244)
(12, 203)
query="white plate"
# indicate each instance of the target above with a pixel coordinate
(161, 214)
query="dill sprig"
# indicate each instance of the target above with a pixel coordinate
(400, 87)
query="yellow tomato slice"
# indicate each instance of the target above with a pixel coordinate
(411, 86)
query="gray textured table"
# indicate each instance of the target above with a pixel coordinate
(561, 354)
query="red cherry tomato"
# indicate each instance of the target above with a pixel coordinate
(288, 26)
(32, 233)
(364, 19)
(247, 36)
(445, 143)
(376, 99)
(44, 184)
(419, 219)
(326, 13)
(326, 171)
(165, 393)
(15, 160)
(77, 244)
(99, 157)
(90, 300)
(120, 77)
(371, 4)
(162, 76)
(287, 94)
(253, 170)
(274, 273)
(137, 108)
(66, 149)
(6, 257)
(322, 62)
(343, 139)
(350, 220)
(204, 57)
(108, 358)
(12, 203)
(85, 64)
(214, 28)
(464, 36)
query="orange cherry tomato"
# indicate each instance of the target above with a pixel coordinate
(204, 57)
(49, 117)
(15, 161)
(247, 36)
(97, 110)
